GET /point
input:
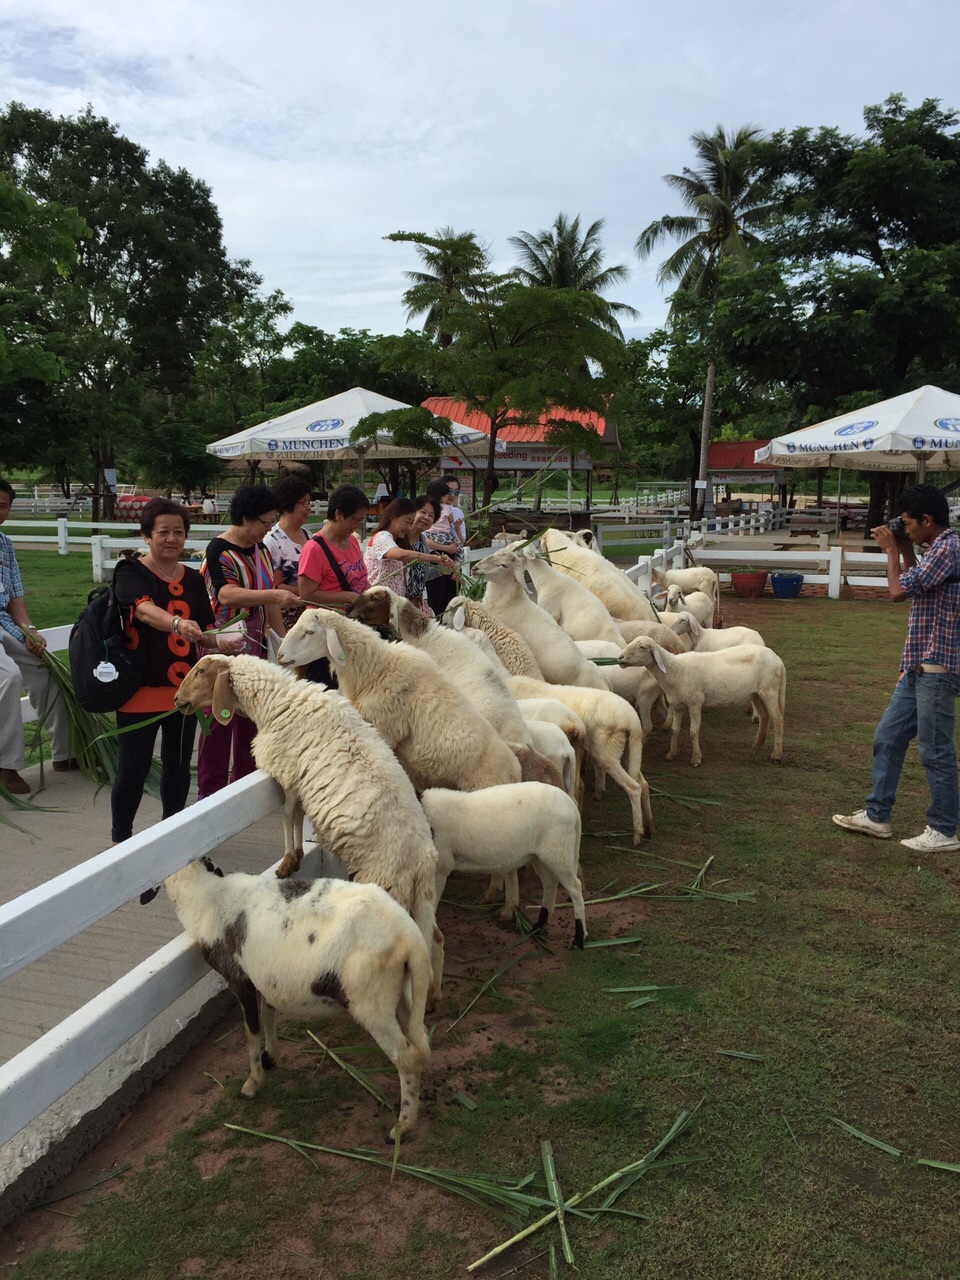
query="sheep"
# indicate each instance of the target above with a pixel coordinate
(638, 687)
(560, 660)
(456, 656)
(585, 538)
(613, 730)
(577, 610)
(311, 948)
(696, 578)
(621, 598)
(335, 768)
(512, 650)
(550, 711)
(502, 829)
(662, 632)
(732, 677)
(552, 743)
(711, 641)
(696, 602)
(438, 737)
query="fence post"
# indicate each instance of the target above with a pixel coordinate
(833, 584)
(96, 552)
(62, 547)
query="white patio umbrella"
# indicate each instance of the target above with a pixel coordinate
(918, 430)
(322, 430)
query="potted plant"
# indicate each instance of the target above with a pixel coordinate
(786, 584)
(747, 581)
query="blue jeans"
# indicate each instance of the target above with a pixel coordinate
(922, 707)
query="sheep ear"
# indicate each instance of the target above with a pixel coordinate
(519, 571)
(224, 702)
(658, 659)
(334, 648)
(395, 607)
(459, 618)
(695, 627)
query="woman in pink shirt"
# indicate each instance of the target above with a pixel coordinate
(331, 569)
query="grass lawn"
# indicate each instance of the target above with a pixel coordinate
(836, 972)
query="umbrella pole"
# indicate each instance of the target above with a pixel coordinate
(360, 470)
(839, 479)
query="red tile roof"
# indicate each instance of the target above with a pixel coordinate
(457, 411)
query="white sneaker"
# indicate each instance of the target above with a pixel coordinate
(862, 822)
(932, 841)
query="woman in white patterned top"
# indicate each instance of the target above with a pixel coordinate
(287, 538)
(388, 551)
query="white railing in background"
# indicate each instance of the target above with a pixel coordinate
(668, 528)
(76, 533)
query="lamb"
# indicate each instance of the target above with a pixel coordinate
(552, 743)
(549, 711)
(710, 641)
(613, 731)
(438, 736)
(335, 768)
(697, 602)
(512, 650)
(696, 578)
(311, 948)
(502, 829)
(577, 610)
(621, 598)
(585, 538)
(560, 660)
(732, 677)
(456, 656)
(634, 684)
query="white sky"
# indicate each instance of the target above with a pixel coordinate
(321, 127)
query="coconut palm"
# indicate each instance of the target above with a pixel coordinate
(455, 264)
(564, 258)
(726, 195)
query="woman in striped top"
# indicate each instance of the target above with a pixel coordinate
(238, 572)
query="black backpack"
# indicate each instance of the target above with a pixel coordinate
(105, 672)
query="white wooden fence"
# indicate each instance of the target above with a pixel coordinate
(669, 528)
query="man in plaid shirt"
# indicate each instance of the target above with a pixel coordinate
(923, 702)
(20, 664)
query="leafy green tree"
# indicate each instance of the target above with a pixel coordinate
(130, 319)
(33, 236)
(727, 199)
(563, 257)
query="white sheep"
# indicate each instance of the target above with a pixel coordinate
(732, 677)
(585, 538)
(712, 641)
(550, 741)
(457, 657)
(696, 578)
(511, 648)
(578, 611)
(634, 684)
(505, 597)
(549, 710)
(696, 602)
(608, 583)
(500, 830)
(613, 734)
(438, 736)
(335, 768)
(311, 948)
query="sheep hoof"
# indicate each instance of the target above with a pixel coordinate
(266, 1061)
(542, 919)
(249, 1090)
(578, 936)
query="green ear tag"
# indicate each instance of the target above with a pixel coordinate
(224, 713)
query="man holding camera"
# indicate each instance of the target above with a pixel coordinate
(923, 702)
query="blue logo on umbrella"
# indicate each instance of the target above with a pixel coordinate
(855, 428)
(272, 444)
(948, 424)
(325, 424)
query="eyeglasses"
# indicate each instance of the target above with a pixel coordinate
(455, 492)
(266, 523)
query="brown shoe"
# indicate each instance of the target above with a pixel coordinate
(66, 766)
(11, 780)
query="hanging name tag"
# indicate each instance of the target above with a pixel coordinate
(106, 673)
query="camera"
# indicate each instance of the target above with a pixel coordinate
(897, 527)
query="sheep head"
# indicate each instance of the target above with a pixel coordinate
(374, 607)
(208, 685)
(314, 635)
(642, 652)
(687, 625)
(675, 600)
(501, 567)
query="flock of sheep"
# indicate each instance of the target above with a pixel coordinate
(458, 747)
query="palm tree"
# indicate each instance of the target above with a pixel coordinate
(563, 258)
(726, 196)
(455, 263)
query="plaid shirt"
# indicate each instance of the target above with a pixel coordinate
(933, 631)
(11, 587)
